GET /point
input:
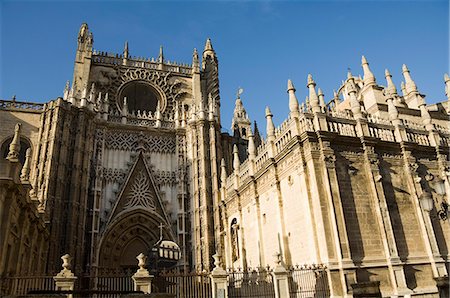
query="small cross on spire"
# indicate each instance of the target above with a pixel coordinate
(161, 226)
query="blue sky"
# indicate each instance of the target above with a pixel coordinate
(260, 44)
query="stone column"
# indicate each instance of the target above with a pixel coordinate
(219, 279)
(65, 279)
(142, 279)
(280, 278)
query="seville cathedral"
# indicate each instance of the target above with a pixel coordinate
(133, 152)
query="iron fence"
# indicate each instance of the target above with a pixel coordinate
(256, 282)
(308, 281)
(22, 285)
(189, 285)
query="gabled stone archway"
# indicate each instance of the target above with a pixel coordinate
(133, 225)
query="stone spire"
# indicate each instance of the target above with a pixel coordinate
(270, 130)
(293, 102)
(161, 55)
(125, 50)
(251, 146)
(256, 135)
(354, 102)
(25, 173)
(391, 90)
(313, 98)
(208, 51)
(409, 83)
(240, 119)
(236, 161)
(14, 147)
(66, 90)
(369, 78)
(321, 100)
(402, 86)
(195, 62)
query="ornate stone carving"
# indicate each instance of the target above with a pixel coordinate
(140, 193)
(124, 140)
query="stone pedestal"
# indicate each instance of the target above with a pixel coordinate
(280, 278)
(219, 279)
(142, 279)
(65, 279)
(366, 289)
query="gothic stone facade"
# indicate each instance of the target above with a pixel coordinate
(134, 148)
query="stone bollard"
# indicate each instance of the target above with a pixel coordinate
(219, 279)
(142, 279)
(65, 279)
(280, 278)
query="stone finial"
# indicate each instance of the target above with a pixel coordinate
(251, 146)
(142, 259)
(293, 102)
(125, 50)
(409, 83)
(201, 111)
(236, 161)
(125, 107)
(402, 86)
(217, 260)
(25, 173)
(161, 55)
(195, 62)
(14, 147)
(223, 172)
(349, 74)
(313, 98)
(66, 90)
(67, 259)
(369, 78)
(391, 90)
(270, 128)
(65, 279)
(321, 99)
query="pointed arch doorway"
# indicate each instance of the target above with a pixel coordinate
(132, 233)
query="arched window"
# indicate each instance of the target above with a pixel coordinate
(140, 96)
(24, 145)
